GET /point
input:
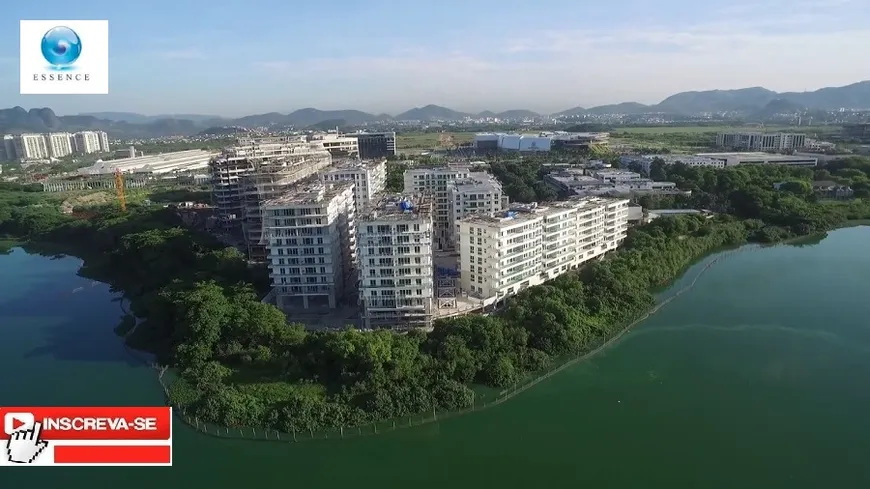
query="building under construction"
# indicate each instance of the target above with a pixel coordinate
(257, 170)
(394, 259)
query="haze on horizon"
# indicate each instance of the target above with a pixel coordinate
(233, 59)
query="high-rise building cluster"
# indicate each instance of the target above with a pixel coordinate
(450, 243)
(34, 146)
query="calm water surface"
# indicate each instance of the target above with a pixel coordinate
(757, 377)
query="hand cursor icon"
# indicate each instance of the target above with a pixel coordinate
(24, 446)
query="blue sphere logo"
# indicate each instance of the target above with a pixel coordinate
(61, 46)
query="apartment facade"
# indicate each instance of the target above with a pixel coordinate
(87, 142)
(479, 193)
(60, 144)
(437, 180)
(760, 141)
(369, 179)
(504, 253)
(310, 235)
(394, 258)
(31, 147)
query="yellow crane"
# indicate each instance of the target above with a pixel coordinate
(119, 189)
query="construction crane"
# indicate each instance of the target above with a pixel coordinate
(119, 189)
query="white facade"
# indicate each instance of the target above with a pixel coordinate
(437, 180)
(310, 233)
(339, 145)
(160, 164)
(732, 159)
(8, 148)
(534, 143)
(87, 142)
(478, 193)
(369, 179)
(760, 141)
(31, 147)
(503, 254)
(60, 144)
(394, 258)
(104, 142)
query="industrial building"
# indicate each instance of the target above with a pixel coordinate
(757, 158)
(504, 253)
(395, 262)
(760, 141)
(310, 242)
(644, 162)
(591, 182)
(488, 142)
(95, 182)
(375, 145)
(369, 178)
(160, 164)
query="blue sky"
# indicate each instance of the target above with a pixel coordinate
(235, 58)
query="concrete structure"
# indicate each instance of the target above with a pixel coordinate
(436, 180)
(160, 164)
(477, 193)
(585, 141)
(287, 159)
(338, 145)
(541, 142)
(657, 213)
(105, 147)
(394, 257)
(643, 163)
(31, 147)
(369, 179)
(504, 253)
(756, 158)
(60, 144)
(87, 142)
(760, 141)
(96, 182)
(606, 182)
(310, 242)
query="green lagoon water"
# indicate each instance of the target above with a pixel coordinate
(758, 377)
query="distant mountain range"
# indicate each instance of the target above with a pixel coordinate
(751, 102)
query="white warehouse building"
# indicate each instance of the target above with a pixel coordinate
(164, 163)
(310, 233)
(512, 142)
(502, 254)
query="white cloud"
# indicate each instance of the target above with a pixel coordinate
(553, 70)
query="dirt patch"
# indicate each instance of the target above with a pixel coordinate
(87, 200)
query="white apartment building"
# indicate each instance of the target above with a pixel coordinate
(60, 144)
(505, 253)
(31, 147)
(480, 192)
(437, 181)
(310, 232)
(87, 142)
(369, 179)
(394, 258)
(760, 141)
(104, 142)
(8, 148)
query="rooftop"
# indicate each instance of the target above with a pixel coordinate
(352, 164)
(399, 206)
(753, 155)
(308, 193)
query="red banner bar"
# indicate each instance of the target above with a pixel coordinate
(128, 454)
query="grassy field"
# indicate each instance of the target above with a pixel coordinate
(428, 140)
(711, 129)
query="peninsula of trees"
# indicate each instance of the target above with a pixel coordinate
(240, 364)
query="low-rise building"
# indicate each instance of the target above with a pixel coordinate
(757, 158)
(586, 182)
(310, 234)
(760, 141)
(504, 253)
(643, 163)
(828, 189)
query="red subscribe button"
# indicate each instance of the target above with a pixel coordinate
(90, 423)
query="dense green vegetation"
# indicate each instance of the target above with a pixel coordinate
(240, 364)
(522, 179)
(395, 176)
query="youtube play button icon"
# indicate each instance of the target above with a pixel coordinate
(13, 422)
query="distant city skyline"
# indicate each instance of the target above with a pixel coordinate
(379, 56)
